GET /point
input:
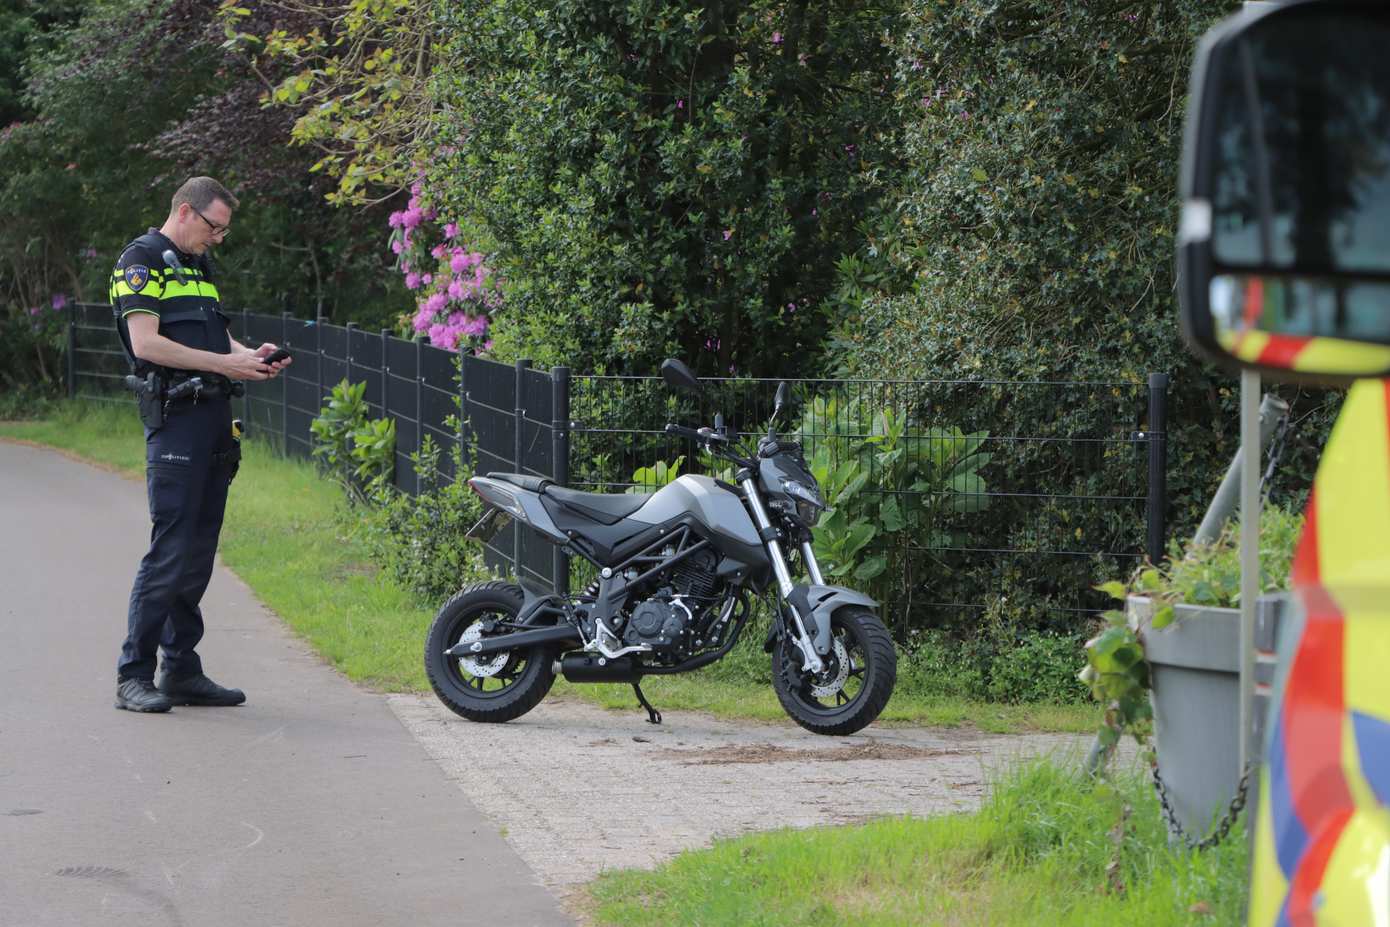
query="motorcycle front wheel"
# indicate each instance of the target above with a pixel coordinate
(855, 685)
(493, 688)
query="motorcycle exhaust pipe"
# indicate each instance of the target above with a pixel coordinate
(591, 667)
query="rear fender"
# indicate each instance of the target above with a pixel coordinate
(521, 504)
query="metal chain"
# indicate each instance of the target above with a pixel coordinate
(1223, 826)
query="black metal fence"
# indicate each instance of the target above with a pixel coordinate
(1043, 502)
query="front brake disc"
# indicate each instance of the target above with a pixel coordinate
(824, 685)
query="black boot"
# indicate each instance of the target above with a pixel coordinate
(199, 690)
(140, 695)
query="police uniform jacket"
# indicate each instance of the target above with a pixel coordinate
(184, 300)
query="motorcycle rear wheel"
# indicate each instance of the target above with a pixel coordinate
(856, 684)
(490, 690)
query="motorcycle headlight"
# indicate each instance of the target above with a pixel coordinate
(808, 501)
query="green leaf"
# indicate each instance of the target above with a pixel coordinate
(1163, 617)
(1115, 589)
(871, 568)
(980, 175)
(890, 514)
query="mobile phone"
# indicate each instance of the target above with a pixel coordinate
(278, 354)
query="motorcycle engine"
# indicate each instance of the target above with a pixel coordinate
(661, 622)
(667, 621)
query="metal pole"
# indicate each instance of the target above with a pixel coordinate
(1158, 465)
(1249, 550)
(560, 459)
(464, 457)
(245, 391)
(284, 391)
(521, 367)
(386, 390)
(419, 402)
(1272, 410)
(72, 351)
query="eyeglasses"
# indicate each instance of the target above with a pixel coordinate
(220, 230)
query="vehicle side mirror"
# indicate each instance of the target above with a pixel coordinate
(679, 376)
(783, 397)
(1284, 243)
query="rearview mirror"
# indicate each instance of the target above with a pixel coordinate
(1284, 244)
(780, 401)
(679, 376)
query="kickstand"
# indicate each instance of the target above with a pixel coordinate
(653, 716)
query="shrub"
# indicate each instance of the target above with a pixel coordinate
(419, 540)
(358, 453)
(1030, 237)
(680, 178)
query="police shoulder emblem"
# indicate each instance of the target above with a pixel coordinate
(136, 276)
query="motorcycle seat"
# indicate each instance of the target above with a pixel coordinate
(603, 507)
(522, 481)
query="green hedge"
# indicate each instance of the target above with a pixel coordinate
(656, 178)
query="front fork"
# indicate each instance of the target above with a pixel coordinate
(814, 663)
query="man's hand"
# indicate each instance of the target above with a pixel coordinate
(243, 365)
(268, 349)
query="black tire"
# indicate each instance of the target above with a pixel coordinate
(506, 693)
(857, 699)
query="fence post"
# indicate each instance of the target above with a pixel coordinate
(72, 350)
(1158, 464)
(521, 367)
(245, 392)
(284, 391)
(463, 408)
(560, 460)
(419, 402)
(318, 359)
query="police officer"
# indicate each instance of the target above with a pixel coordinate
(187, 367)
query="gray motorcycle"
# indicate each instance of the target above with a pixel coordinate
(676, 569)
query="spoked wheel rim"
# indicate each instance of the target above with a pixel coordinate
(841, 683)
(489, 676)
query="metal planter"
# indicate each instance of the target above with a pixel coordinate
(1195, 673)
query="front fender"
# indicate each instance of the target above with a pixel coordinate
(815, 605)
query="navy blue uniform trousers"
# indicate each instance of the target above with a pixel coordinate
(189, 463)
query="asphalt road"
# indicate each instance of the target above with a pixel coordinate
(308, 805)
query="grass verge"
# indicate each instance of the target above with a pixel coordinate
(289, 535)
(1049, 847)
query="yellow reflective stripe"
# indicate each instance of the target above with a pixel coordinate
(121, 288)
(174, 289)
(1246, 346)
(1338, 355)
(1267, 883)
(1352, 890)
(1353, 495)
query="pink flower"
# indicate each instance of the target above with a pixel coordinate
(412, 281)
(437, 252)
(680, 104)
(427, 279)
(412, 218)
(791, 307)
(395, 219)
(59, 301)
(422, 320)
(728, 233)
(415, 188)
(475, 326)
(459, 263)
(456, 289)
(451, 230)
(396, 246)
(487, 345)
(33, 310)
(436, 302)
(414, 203)
(776, 38)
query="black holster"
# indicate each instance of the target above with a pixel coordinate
(228, 461)
(149, 394)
